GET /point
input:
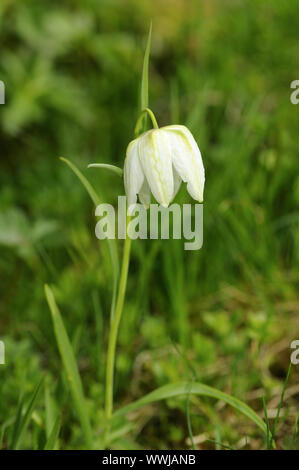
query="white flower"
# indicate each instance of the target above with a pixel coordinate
(158, 161)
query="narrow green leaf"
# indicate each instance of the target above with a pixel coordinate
(218, 444)
(281, 402)
(70, 365)
(184, 388)
(51, 412)
(99, 330)
(23, 420)
(111, 242)
(17, 419)
(92, 193)
(268, 440)
(17, 424)
(51, 442)
(144, 78)
(113, 168)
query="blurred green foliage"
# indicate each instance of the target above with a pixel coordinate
(226, 314)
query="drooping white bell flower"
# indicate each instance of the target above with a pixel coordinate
(158, 161)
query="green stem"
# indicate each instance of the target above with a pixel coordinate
(113, 337)
(118, 309)
(139, 120)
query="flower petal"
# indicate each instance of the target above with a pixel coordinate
(155, 158)
(177, 182)
(133, 174)
(187, 159)
(145, 194)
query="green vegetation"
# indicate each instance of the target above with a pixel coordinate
(202, 333)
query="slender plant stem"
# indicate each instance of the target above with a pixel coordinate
(140, 119)
(113, 337)
(119, 308)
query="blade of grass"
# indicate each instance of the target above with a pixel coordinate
(50, 417)
(23, 420)
(51, 442)
(98, 315)
(280, 403)
(219, 444)
(218, 441)
(268, 440)
(177, 389)
(51, 411)
(18, 419)
(70, 365)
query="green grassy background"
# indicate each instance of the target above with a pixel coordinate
(225, 315)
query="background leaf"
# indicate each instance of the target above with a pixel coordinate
(23, 418)
(173, 390)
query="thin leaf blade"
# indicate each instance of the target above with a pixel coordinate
(25, 419)
(92, 193)
(111, 242)
(70, 365)
(113, 168)
(185, 388)
(51, 442)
